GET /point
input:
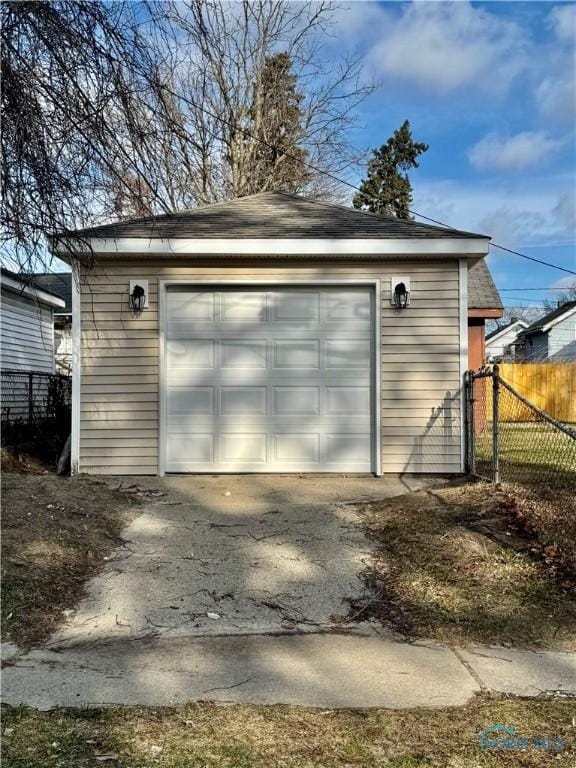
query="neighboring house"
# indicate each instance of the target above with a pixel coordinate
(263, 335)
(27, 316)
(26, 344)
(552, 338)
(500, 344)
(60, 284)
(483, 304)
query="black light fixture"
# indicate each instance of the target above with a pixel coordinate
(401, 296)
(400, 292)
(137, 298)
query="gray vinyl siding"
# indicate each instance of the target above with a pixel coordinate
(536, 348)
(27, 335)
(419, 370)
(562, 340)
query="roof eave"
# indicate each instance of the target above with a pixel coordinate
(30, 291)
(559, 319)
(488, 313)
(415, 246)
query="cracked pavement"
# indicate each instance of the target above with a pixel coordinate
(229, 588)
(224, 555)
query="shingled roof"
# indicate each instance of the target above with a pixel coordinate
(482, 292)
(550, 317)
(58, 283)
(272, 215)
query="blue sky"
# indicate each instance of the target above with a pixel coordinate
(490, 87)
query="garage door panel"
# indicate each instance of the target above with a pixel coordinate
(190, 353)
(348, 447)
(242, 306)
(180, 423)
(296, 353)
(190, 400)
(293, 307)
(276, 380)
(190, 307)
(347, 400)
(243, 400)
(243, 353)
(198, 447)
(355, 307)
(296, 447)
(244, 447)
(348, 353)
(296, 401)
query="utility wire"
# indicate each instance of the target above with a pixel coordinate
(332, 176)
(567, 288)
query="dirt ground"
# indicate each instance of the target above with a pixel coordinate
(56, 534)
(475, 563)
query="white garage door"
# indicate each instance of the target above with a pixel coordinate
(269, 380)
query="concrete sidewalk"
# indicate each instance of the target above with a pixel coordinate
(330, 671)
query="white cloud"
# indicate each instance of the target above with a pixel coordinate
(556, 97)
(516, 214)
(514, 153)
(562, 19)
(510, 227)
(568, 282)
(449, 45)
(564, 213)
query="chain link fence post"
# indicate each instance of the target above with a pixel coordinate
(30, 398)
(495, 424)
(469, 421)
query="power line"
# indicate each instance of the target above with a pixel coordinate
(332, 176)
(521, 298)
(567, 288)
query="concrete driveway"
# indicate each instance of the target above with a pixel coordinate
(246, 558)
(226, 555)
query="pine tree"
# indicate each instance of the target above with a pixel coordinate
(276, 118)
(386, 189)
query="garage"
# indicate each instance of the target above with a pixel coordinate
(268, 334)
(271, 378)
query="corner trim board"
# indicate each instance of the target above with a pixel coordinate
(463, 306)
(76, 371)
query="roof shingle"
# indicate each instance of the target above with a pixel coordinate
(539, 324)
(272, 215)
(482, 292)
(58, 283)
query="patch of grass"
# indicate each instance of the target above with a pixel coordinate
(453, 564)
(55, 534)
(529, 452)
(204, 735)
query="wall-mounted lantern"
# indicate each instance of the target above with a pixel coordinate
(400, 292)
(138, 298)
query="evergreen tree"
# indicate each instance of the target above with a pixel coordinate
(386, 189)
(276, 118)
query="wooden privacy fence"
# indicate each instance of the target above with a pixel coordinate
(549, 386)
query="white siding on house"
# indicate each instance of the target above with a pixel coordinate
(27, 334)
(562, 340)
(501, 344)
(419, 371)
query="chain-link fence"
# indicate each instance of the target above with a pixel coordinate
(511, 439)
(33, 399)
